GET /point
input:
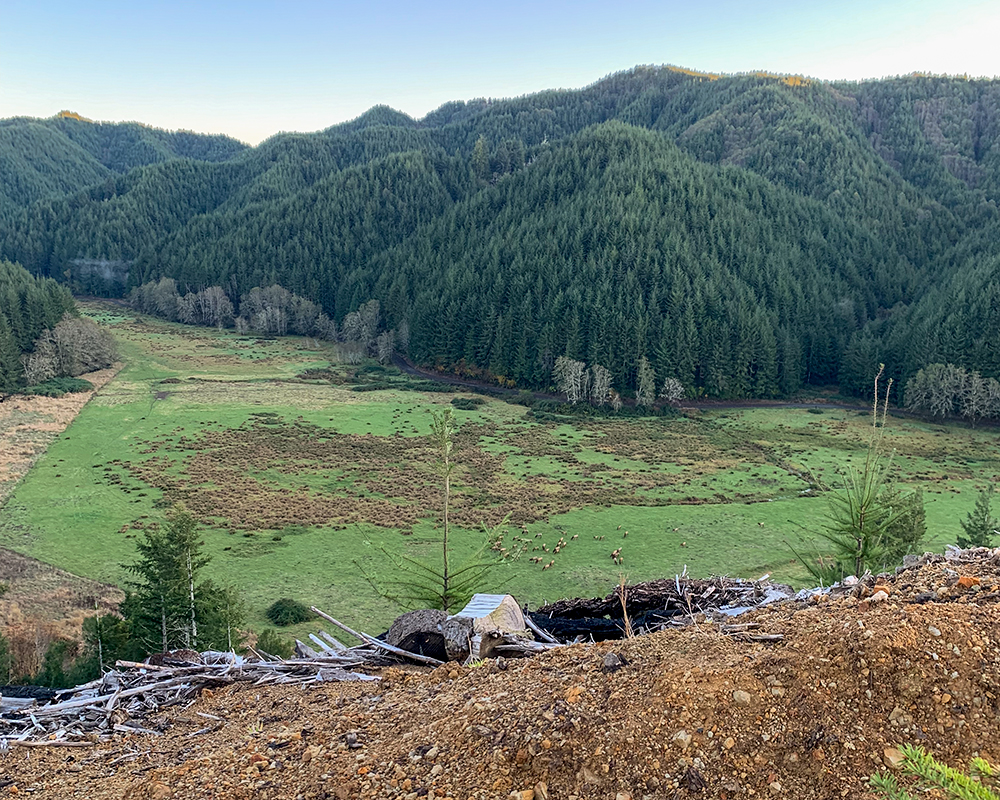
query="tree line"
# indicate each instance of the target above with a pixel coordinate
(30, 308)
(273, 311)
(944, 390)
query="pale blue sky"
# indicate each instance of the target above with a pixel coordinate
(252, 69)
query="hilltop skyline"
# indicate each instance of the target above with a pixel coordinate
(255, 69)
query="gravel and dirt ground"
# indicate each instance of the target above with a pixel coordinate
(682, 713)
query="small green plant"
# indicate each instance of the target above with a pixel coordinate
(979, 525)
(926, 772)
(286, 611)
(421, 584)
(274, 644)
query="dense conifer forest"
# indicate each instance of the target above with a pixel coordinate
(745, 235)
(28, 306)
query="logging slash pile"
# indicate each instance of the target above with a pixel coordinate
(801, 698)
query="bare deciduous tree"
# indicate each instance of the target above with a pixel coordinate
(209, 307)
(672, 391)
(326, 328)
(944, 390)
(362, 325)
(384, 345)
(571, 378)
(73, 347)
(645, 390)
(266, 310)
(403, 336)
(600, 385)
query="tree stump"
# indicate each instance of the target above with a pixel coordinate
(420, 632)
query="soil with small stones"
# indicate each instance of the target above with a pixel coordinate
(678, 714)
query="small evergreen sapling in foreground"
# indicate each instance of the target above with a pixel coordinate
(871, 524)
(418, 583)
(979, 525)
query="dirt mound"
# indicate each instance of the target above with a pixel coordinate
(683, 713)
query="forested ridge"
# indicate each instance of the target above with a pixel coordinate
(745, 234)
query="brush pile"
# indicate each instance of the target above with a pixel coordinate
(651, 606)
(125, 696)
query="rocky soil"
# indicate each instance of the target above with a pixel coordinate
(678, 714)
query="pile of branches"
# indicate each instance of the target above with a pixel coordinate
(645, 607)
(124, 697)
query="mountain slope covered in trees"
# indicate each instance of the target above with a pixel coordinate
(745, 234)
(47, 158)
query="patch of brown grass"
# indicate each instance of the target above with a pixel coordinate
(43, 604)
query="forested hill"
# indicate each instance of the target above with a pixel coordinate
(47, 158)
(745, 234)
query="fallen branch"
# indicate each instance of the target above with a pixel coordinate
(43, 743)
(397, 651)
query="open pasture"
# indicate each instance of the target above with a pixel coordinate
(300, 480)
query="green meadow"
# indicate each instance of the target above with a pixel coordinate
(302, 482)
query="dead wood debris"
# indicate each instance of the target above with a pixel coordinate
(125, 696)
(128, 694)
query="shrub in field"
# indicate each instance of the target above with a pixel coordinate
(467, 403)
(57, 387)
(287, 611)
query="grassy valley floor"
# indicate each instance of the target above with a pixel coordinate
(301, 482)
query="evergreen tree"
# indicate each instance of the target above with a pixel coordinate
(166, 604)
(980, 525)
